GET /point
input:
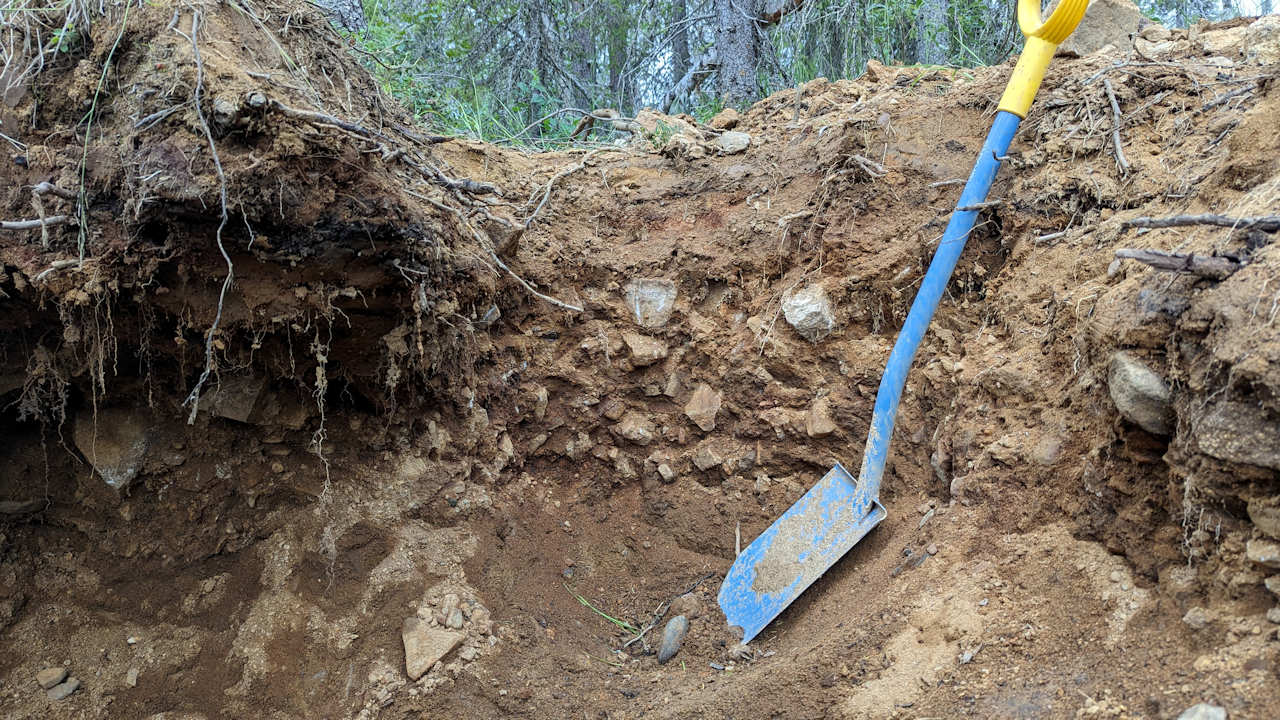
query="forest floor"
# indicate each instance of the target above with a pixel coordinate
(400, 446)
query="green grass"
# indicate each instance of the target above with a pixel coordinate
(622, 624)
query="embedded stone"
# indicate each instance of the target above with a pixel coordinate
(702, 407)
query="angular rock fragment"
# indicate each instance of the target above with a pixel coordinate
(702, 407)
(644, 349)
(115, 443)
(51, 676)
(424, 646)
(635, 427)
(808, 310)
(1263, 552)
(818, 422)
(731, 142)
(651, 300)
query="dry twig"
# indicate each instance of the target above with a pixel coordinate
(1116, 120)
(33, 224)
(1214, 267)
(1265, 223)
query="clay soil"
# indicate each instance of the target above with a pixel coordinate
(395, 426)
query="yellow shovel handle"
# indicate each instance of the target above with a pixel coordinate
(1042, 39)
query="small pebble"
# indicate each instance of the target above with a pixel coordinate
(932, 549)
(1274, 615)
(688, 605)
(1116, 576)
(982, 602)
(132, 640)
(131, 678)
(64, 690)
(455, 619)
(672, 636)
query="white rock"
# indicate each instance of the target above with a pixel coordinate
(1204, 711)
(635, 427)
(651, 300)
(808, 310)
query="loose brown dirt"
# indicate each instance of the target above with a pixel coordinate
(395, 427)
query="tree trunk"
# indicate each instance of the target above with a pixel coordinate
(583, 54)
(738, 49)
(679, 42)
(346, 14)
(932, 37)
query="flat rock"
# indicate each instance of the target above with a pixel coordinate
(115, 443)
(424, 646)
(1239, 432)
(1204, 711)
(651, 300)
(731, 142)
(1265, 514)
(818, 422)
(49, 677)
(808, 310)
(702, 407)
(1222, 42)
(1140, 394)
(635, 427)
(644, 349)
(63, 690)
(672, 637)
(1106, 22)
(1263, 552)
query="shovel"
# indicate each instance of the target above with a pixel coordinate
(839, 511)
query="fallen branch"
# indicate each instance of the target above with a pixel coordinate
(1265, 223)
(323, 119)
(1214, 267)
(1116, 120)
(1226, 97)
(33, 224)
(698, 71)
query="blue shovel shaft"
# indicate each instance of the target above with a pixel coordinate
(926, 302)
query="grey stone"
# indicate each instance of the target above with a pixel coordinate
(731, 142)
(666, 473)
(644, 349)
(702, 407)
(651, 300)
(49, 677)
(131, 677)
(672, 636)
(235, 398)
(1273, 584)
(454, 619)
(808, 310)
(1204, 711)
(424, 646)
(1239, 432)
(1140, 394)
(115, 443)
(1263, 552)
(1106, 22)
(706, 458)
(1273, 615)
(63, 690)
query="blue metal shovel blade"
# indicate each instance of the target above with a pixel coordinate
(796, 549)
